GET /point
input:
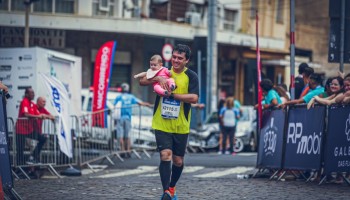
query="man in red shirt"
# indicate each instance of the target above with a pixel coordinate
(27, 126)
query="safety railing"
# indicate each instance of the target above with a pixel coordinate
(95, 136)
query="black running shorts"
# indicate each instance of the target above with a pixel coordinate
(175, 142)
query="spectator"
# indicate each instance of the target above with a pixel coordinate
(338, 95)
(315, 89)
(221, 104)
(228, 120)
(123, 124)
(282, 93)
(41, 103)
(28, 128)
(306, 76)
(237, 106)
(3, 87)
(4, 90)
(156, 69)
(299, 81)
(327, 88)
(271, 97)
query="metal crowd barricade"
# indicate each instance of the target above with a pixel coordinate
(33, 144)
(141, 134)
(95, 138)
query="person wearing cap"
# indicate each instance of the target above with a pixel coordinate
(123, 124)
(156, 69)
(172, 118)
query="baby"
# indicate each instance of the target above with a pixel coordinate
(156, 69)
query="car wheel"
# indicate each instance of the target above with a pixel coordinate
(252, 144)
(239, 145)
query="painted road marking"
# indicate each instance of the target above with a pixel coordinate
(236, 170)
(189, 169)
(139, 170)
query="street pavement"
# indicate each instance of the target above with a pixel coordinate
(206, 176)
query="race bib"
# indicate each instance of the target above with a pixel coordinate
(170, 108)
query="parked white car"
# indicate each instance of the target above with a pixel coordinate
(141, 134)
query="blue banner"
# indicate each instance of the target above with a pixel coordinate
(305, 130)
(271, 139)
(337, 144)
(5, 167)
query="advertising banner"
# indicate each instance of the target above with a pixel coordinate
(5, 167)
(271, 139)
(60, 99)
(305, 130)
(103, 68)
(337, 144)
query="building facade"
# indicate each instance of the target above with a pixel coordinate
(142, 27)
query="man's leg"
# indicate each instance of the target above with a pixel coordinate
(179, 149)
(120, 134)
(42, 139)
(164, 146)
(127, 127)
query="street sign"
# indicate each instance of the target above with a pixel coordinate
(167, 52)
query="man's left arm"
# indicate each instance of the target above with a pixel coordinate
(48, 114)
(193, 90)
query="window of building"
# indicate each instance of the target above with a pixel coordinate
(103, 7)
(65, 6)
(230, 19)
(17, 5)
(280, 11)
(4, 5)
(43, 6)
(46, 6)
(254, 8)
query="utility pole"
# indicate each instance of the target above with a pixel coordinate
(27, 3)
(211, 58)
(26, 28)
(292, 49)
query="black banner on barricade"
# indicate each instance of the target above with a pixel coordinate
(337, 144)
(5, 167)
(305, 130)
(271, 139)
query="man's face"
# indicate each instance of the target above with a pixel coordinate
(41, 102)
(312, 84)
(30, 94)
(178, 61)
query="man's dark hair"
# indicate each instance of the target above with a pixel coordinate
(182, 48)
(317, 78)
(266, 84)
(26, 91)
(308, 71)
(302, 67)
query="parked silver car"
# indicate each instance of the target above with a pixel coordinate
(245, 137)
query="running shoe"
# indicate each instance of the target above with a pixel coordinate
(172, 191)
(166, 195)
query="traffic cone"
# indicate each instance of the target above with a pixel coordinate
(2, 195)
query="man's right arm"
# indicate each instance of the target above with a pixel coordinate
(161, 80)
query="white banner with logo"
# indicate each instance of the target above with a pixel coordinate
(60, 101)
